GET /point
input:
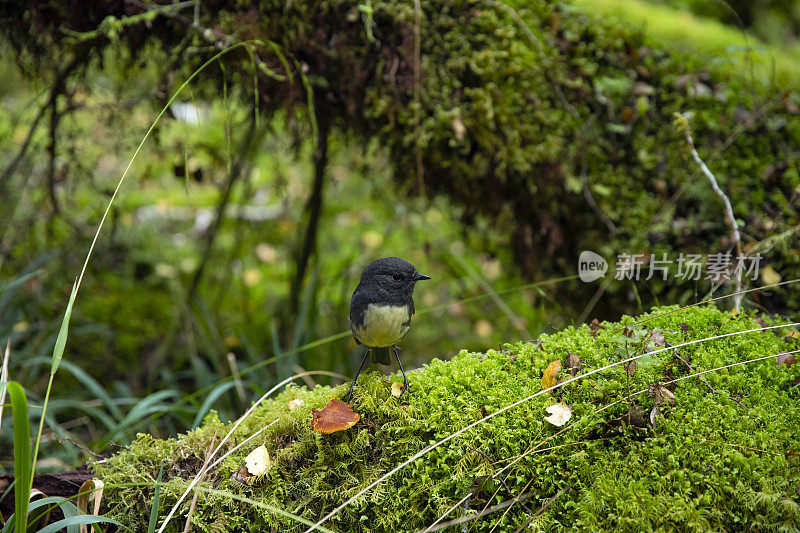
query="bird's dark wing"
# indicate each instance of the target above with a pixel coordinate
(358, 306)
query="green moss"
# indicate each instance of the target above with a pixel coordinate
(724, 457)
(724, 46)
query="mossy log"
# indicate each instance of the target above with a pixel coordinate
(649, 446)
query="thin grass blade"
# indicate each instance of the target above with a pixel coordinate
(151, 526)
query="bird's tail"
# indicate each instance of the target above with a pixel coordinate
(381, 356)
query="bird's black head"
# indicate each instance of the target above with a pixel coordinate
(392, 275)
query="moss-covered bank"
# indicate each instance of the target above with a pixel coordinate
(724, 457)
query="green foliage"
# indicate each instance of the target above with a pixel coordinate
(23, 469)
(723, 457)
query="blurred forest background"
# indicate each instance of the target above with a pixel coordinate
(486, 142)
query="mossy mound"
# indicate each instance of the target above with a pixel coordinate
(723, 457)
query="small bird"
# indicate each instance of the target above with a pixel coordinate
(381, 309)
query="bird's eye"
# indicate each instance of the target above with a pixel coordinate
(397, 277)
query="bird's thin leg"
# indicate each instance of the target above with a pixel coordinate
(353, 384)
(405, 379)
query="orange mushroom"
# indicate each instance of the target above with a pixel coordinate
(336, 416)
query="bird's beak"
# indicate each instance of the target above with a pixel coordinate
(420, 277)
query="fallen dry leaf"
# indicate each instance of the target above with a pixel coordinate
(336, 416)
(294, 404)
(560, 413)
(786, 358)
(573, 364)
(397, 389)
(662, 395)
(654, 415)
(256, 464)
(658, 338)
(595, 327)
(549, 376)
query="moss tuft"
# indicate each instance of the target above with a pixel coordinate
(723, 457)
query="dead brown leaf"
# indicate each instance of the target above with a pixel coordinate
(661, 394)
(573, 364)
(785, 358)
(658, 338)
(595, 327)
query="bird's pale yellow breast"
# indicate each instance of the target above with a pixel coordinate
(384, 325)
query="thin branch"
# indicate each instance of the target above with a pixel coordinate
(587, 195)
(454, 507)
(203, 470)
(730, 219)
(55, 90)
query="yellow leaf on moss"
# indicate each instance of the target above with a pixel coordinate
(257, 461)
(769, 276)
(397, 389)
(549, 375)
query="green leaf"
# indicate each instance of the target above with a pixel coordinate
(61, 340)
(22, 453)
(77, 520)
(218, 391)
(151, 526)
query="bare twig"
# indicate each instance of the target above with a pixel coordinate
(497, 522)
(503, 481)
(459, 502)
(57, 88)
(730, 219)
(587, 195)
(202, 475)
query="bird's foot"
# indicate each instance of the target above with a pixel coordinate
(348, 395)
(406, 392)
